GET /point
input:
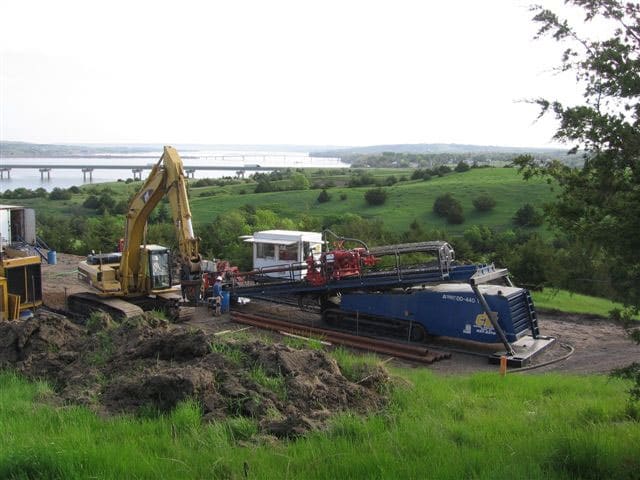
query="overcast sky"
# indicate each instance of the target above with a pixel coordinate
(272, 72)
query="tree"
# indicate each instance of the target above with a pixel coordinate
(527, 216)
(375, 196)
(599, 203)
(91, 202)
(264, 186)
(323, 197)
(447, 206)
(299, 182)
(462, 166)
(455, 215)
(484, 203)
(59, 194)
(443, 204)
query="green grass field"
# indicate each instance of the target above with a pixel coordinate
(480, 426)
(407, 201)
(570, 302)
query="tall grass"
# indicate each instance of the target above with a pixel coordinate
(481, 426)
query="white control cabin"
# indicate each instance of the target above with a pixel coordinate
(273, 249)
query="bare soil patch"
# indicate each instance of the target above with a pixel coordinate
(148, 365)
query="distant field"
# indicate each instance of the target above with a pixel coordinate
(407, 201)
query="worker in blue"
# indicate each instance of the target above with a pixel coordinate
(217, 297)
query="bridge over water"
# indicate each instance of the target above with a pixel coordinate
(234, 163)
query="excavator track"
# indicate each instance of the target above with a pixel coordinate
(84, 304)
(87, 303)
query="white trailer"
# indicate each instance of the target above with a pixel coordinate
(17, 224)
(283, 248)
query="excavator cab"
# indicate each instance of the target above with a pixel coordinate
(159, 267)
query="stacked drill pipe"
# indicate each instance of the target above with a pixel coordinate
(405, 351)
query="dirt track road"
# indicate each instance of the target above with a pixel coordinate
(600, 345)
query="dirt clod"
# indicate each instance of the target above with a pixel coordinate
(143, 366)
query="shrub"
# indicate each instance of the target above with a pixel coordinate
(484, 203)
(447, 206)
(455, 214)
(443, 203)
(299, 182)
(443, 170)
(60, 194)
(462, 166)
(343, 196)
(361, 179)
(91, 202)
(264, 186)
(375, 196)
(527, 216)
(324, 197)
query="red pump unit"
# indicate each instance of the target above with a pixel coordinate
(338, 264)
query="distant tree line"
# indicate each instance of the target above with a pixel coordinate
(432, 160)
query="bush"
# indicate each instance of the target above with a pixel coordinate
(264, 186)
(455, 214)
(447, 206)
(324, 197)
(375, 196)
(443, 204)
(361, 179)
(462, 166)
(343, 196)
(91, 202)
(442, 170)
(299, 182)
(527, 216)
(60, 194)
(484, 203)
(391, 180)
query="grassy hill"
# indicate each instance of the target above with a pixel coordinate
(407, 201)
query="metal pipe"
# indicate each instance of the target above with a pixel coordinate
(346, 239)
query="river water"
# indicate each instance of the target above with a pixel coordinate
(64, 178)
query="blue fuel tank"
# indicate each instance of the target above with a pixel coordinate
(451, 310)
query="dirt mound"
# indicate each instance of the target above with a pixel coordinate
(145, 366)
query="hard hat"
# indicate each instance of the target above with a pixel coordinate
(219, 279)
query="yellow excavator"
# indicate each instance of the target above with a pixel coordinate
(139, 278)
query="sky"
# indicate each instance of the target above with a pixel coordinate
(341, 72)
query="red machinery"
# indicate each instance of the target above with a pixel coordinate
(223, 269)
(338, 264)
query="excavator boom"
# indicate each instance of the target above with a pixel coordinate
(141, 273)
(167, 178)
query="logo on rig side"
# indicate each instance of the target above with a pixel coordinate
(483, 324)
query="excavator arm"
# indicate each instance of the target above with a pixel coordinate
(167, 178)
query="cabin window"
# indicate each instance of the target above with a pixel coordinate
(288, 252)
(265, 250)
